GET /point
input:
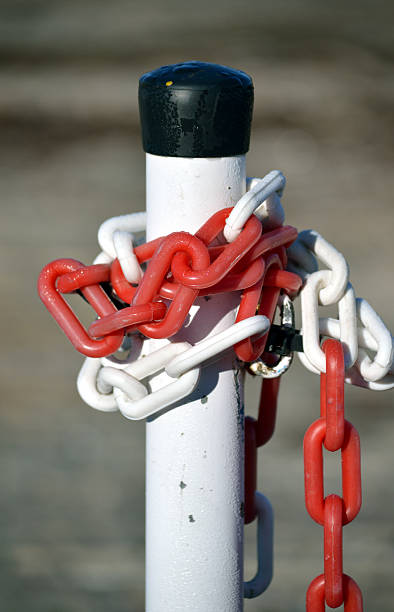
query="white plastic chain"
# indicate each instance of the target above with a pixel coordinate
(108, 384)
(358, 326)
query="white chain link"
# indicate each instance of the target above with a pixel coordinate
(102, 258)
(327, 287)
(310, 244)
(262, 199)
(116, 238)
(124, 249)
(374, 370)
(314, 287)
(270, 212)
(133, 222)
(217, 344)
(135, 408)
(95, 391)
(265, 549)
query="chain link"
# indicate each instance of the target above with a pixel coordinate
(270, 213)
(257, 433)
(310, 243)
(265, 548)
(313, 288)
(315, 597)
(260, 199)
(131, 223)
(124, 249)
(64, 316)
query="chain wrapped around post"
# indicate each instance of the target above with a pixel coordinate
(146, 291)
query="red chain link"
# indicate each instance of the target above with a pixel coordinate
(255, 300)
(332, 396)
(128, 318)
(333, 587)
(64, 316)
(315, 597)
(230, 256)
(83, 277)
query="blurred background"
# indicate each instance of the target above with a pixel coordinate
(71, 479)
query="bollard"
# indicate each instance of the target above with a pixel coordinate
(195, 127)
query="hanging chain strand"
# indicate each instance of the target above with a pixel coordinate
(333, 587)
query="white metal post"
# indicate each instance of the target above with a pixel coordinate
(194, 451)
(194, 473)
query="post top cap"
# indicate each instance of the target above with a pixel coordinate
(193, 74)
(196, 109)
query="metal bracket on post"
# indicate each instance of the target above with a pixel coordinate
(195, 127)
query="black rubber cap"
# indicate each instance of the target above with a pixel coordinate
(195, 109)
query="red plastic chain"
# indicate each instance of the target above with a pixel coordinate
(180, 268)
(333, 587)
